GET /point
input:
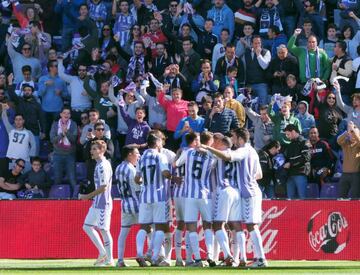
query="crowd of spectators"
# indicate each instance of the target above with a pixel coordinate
(75, 71)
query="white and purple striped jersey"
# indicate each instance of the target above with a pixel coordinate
(198, 167)
(226, 173)
(179, 189)
(155, 187)
(123, 26)
(129, 191)
(248, 169)
(103, 176)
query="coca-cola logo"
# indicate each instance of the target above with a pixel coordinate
(328, 232)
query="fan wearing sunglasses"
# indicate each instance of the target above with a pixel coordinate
(9, 181)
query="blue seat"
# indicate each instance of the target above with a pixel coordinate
(329, 191)
(60, 191)
(312, 191)
(45, 150)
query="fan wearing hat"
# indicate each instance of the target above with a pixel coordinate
(298, 155)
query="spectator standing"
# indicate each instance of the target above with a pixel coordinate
(245, 41)
(322, 157)
(269, 16)
(205, 82)
(350, 178)
(233, 104)
(313, 61)
(329, 42)
(190, 124)
(175, 109)
(221, 119)
(310, 11)
(223, 17)
(263, 126)
(298, 156)
(53, 91)
(124, 22)
(63, 137)
(98, 12)
(257, 60)
(307, 120)
(220, 48)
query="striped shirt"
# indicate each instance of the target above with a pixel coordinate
(179, 190)
(226, 173)
(155, 187)
(198, 168)
(103, 176)
(248, 168)
(123, 26)
(129, 191)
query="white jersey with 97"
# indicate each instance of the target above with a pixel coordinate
(21, 144)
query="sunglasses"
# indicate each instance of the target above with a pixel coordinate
(174, 5)
(21, 166)
(100, 129)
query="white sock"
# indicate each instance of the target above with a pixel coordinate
(124, 231)
(209, 241)
(257, 243)
(140, 240)
(223, 240)
(241, 241)
(158, 240)
(178, 243)
(168, 245)
(235, 247)
(95, 238)
(108, 243)
(188, 247)
(194, 242)
(216, 250)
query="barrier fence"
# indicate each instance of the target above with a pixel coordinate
(310, 229)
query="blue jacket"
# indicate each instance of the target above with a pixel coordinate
(274, 43)
(196, 125)
(51, 102)
(69, 12)
(223, 18)
(306, 120)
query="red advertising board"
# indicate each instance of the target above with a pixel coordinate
(311, 229)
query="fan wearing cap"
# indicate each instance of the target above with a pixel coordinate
(298, 155)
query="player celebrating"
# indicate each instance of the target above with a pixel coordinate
(99, 214)
(248, 172)
(198, 167)
(152, 172)
(129, 194)
(227, 206)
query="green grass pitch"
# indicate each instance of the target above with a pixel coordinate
(85, 267)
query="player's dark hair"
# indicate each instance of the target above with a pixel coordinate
(190, 137)
(152, 140)
(242, 133)
(205, 137)
(126, 151)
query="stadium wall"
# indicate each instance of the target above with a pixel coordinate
(311, 230)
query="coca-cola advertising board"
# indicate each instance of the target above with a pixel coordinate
(311, 230)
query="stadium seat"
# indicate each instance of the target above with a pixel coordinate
(329, 191)
(76, 191)
(60, 191)
(81, 171)
(115, 191)
(48, 168)
(312, 191)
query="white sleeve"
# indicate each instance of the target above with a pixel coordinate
(259, 173)
(164, 165)
(181, 160)
(67, 78)
(264, 61)
(238, 154)
(32, 152)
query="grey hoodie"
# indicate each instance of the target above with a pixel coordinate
(307, 120)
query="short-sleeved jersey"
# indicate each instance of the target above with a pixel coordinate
(248, 168)
(155, 187)
(226, 173)
(103, 176)
(129, 191)
(198, 166)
